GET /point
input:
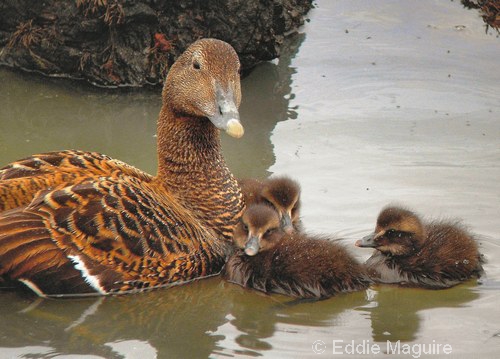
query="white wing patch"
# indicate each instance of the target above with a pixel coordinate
(90, 279)
(33, 287)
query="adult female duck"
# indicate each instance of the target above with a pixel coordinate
(75, 222)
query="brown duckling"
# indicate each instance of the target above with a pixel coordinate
(284, 194)
(296, 264)
(281, 192)
(251, 189)
(436, 254)
(75, 222)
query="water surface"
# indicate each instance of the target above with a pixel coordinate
(370, 104)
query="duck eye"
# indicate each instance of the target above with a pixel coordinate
(245, 227)
(196, 65)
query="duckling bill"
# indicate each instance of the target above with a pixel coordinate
(295, 264)
(436, 254)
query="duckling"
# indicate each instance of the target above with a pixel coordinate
(284, 194)
(281, 192)
(435, 255)
(74, 222)
(299, 265)
(251, 189)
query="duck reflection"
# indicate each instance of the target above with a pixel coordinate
(182, 322)
(257, 316)
(394, 311)
(176, 322)
(267, 92)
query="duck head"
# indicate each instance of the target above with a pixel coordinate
(399, 232)
(284, 194)
(206, 79)
(259, 229)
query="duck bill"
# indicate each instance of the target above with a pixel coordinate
(252, 246)
(227, 117)
(286, 223)
(367, 241)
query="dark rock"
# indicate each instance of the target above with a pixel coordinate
(134, 42)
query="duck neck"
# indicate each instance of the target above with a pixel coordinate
(185, 145)
(191, 166)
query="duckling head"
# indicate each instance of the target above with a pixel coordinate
(399, 232)
(205, 82)
(284, 194)
(258, 230)
(251, 189)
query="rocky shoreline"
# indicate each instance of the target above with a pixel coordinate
(115, 43)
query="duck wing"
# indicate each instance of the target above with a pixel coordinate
(104, 235)
(21, 180)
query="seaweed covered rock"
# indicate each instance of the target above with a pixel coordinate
(133, 42)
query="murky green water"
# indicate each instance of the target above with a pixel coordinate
(373, 103)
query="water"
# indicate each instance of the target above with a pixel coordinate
(371, 104)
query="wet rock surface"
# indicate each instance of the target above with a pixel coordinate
(132, 43)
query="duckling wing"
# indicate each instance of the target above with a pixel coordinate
(103, 236)
(21, 180)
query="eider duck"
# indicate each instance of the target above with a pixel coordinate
(299, 265)
(74, 222)
(437, 254)
(280, 192)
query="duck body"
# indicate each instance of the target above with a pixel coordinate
(294, 264)
(435, 255)
(76, 223)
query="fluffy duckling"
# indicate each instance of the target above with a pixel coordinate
(284, 194)
(281, 192)
(298, 265)
(251, 189)
(74, 222)
(435, 255)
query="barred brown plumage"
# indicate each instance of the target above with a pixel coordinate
(76, 223)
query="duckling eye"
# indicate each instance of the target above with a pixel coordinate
(392, 233)
(269, 231)
(196, 65)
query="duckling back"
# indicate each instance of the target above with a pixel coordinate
(303, 267)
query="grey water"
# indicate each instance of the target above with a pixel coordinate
(372, 103)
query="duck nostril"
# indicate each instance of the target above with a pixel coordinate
(220, 110)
